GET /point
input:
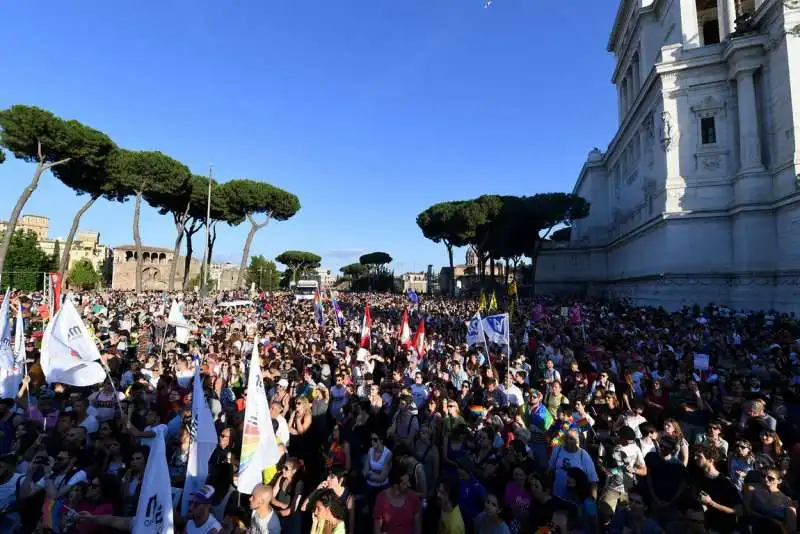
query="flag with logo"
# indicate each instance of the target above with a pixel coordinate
(337, 310)
(493, 303)
(405, 331)
(177, 320)
(154, 511)
(366, 328)
(319, 311)
(412, 296)
(10, 374)
(482, 302)
(497, 328)
(69, 354)
(475, 333)
(259, 447)
(204, 441)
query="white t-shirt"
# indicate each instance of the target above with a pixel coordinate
(105, 405)
(90, 424)
(283, 430)
(211, 526)
(264, 525)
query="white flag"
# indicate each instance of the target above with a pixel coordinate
(497, 328)
(69, 354)
(177, 320)
(204, 441)
(9, 372)
(259, 447)
(475, 333)
(154, 511)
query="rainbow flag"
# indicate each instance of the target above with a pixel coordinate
(558, 433)
(478, 411)
(541, 418)
(583, 424)
(51, 513)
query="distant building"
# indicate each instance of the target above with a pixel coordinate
(324, 276)
(85, 246)
(416, 281)
(38, 224)
(467, 275)
(224, 275)
(156, 263)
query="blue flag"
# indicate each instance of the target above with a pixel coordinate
(412, 296)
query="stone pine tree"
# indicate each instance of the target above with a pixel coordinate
(147, 175)
(196, 219)
(263, 273)
(222, 210)
(298, 261)
(87, 175)
(38, 136)
(445, 223)
(249, 198)
(178, 206)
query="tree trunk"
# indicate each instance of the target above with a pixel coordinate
(254, 227)
(180, 226)
(137, 241)
(64, 263)
(187, 261)
(21, 201)
(452, 269)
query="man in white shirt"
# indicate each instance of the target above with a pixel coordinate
(264, 520)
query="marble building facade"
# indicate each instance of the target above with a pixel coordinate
(697, 197)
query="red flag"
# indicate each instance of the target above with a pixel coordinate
(419, 340)
(575, 315)
(55, 291)
(405, 331)
(366, 328)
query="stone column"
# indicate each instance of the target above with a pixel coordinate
(689, 25)
(749, 142)
(726, 14)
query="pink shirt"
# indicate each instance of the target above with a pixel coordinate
(396, 520)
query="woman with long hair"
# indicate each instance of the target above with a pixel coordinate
(489, 521)
(397, 509)
(767, 508)
(673, 430)
(102, 496)
(740, 462)
(287, 494)
(338, 451)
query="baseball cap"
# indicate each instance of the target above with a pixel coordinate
(283, 383)
(203, 494)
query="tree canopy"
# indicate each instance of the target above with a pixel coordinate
(263, 273)
(26, 262)
(83, 275)
(354, 270)
(248, 198)
(375, 258)
(446, 223)
(299, 261)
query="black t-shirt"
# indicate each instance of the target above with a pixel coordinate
(666, 477)
(722, 491)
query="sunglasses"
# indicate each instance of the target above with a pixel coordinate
(772, 478)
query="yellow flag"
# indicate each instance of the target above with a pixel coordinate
(482, 302)
(512, 289)
(493, 303)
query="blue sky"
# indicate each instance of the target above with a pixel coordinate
(368, 110)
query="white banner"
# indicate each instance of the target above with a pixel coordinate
(475, 333)
(69, 354)
(204, 441)
(154, 512)
(496, 328)
(177, 320)
(259, 447)
(10, 373)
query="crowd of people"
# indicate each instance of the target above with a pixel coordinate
(631, 421)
